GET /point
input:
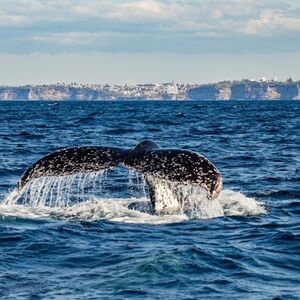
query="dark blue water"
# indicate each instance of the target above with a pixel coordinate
(256, 147)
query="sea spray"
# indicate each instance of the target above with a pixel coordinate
(136, 210)
(237, 204)
(190, 199)
(58, 191)
(12, 197)
(137, 184)
(85, 197)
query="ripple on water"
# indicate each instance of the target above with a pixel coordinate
(112, 247)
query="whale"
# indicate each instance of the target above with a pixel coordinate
(175, 167)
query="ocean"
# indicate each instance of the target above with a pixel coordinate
(102, 242)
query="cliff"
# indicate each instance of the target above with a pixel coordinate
(247, 90)
(52, 92)
(227, 90)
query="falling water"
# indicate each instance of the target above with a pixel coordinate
(189, 199)
(65, 191)
(137, 184)
(59, 191)
(171, 198)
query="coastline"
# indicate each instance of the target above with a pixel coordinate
(226, 90)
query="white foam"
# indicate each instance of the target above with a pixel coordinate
(98, 209)
(189, 199)
(77, 197)
(237, 204)
(229, 203)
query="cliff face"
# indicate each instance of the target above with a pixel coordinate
(53, 92)
(298, 93)
(237, 90)
(247, 90)
(42, 93)
(205, 92)
(14, 93)
(288, 91)
(72, 93)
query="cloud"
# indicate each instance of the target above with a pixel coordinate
(148, 7)
(67, 38)
(10, 20)
(159, 25)
(76, 38)
(272, 21)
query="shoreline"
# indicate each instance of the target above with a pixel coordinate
(226, 90)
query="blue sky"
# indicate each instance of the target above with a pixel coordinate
(136, 41)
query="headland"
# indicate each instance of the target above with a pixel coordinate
(226, 90)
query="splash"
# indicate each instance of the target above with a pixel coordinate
(59, 191)
(110, 209)
(85, 197)
(135, 210)
(237, 204)
(189, 199)
(137, 184)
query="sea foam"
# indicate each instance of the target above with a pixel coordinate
(78, 197)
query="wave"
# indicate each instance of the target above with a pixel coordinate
(134, 210)
(116, 131)
(279, 194)
(27, 134)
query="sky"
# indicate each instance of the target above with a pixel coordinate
(143, 41)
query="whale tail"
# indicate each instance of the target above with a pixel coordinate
(175, 166)
(71, 161)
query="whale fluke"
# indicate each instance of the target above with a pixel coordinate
(179, 167)
(176, 165)
(74, 160)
